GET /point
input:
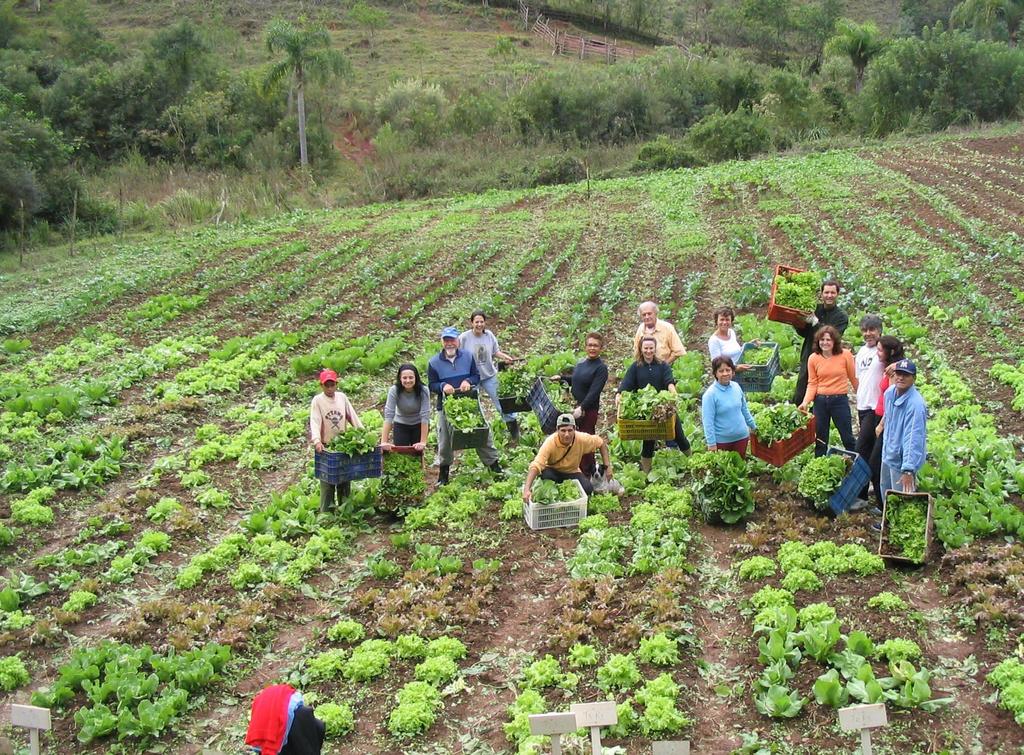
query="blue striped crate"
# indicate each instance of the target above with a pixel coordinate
(546, 411)
(854, 482)
(335, 468)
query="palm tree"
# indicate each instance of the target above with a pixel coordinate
(859, 42)
(308, 56)
(988, 18)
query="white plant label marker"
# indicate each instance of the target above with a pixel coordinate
(593, 716)
(34, 719)
(863, 718)
(553, 725)
(680, 747)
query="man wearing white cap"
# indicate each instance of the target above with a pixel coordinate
(559, 456)
(330, 414)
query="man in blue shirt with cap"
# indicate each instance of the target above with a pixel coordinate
(904, 441)
(451, 371)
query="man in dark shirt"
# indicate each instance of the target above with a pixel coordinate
(587, 381)
(826, 313)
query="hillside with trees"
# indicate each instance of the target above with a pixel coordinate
(138, 117)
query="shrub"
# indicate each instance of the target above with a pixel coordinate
(941, 79)
(730, 136)
(665, 153)
(415, 106)
(558, 169)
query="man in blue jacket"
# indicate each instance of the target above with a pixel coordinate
(904, 441)
(453, 370)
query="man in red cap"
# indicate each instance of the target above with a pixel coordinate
(330, 414)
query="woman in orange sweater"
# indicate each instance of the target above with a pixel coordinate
(829, 370)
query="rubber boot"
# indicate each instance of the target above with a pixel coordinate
(645, 464)
(513, 430)
(442, 474)
(496, 468)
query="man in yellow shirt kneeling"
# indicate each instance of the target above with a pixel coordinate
(559, 456)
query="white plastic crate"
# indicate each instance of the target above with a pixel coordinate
(540, 516)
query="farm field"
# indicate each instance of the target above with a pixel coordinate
(165, 558)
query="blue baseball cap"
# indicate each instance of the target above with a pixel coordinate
(905, 365)
(450, 332)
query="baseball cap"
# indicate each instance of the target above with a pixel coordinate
(326, 375)
(565, 420)
(905, 365)
(450, 332)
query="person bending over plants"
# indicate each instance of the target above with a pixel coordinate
(559, 457)
(330, 414)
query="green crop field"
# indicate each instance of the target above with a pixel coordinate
(165, 558)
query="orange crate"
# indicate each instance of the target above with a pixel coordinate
(788, 315)
(781, 451)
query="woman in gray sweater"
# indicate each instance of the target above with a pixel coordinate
(406, 411)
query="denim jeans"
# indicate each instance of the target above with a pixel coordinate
(890, 479)
(490, 386)
(828, 410)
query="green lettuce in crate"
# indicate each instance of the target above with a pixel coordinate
(778, 422)
(798, 290)
(463, 413)
(548, 491)
(354, 441)
(402, 484)
(905, 520)
(821, 477)
(758, 356)
(648, 403)
(515, 382)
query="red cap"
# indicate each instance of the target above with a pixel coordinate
(326, 375)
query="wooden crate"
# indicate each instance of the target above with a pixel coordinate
(885, 549)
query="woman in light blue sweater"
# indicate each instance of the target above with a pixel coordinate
(727, 420)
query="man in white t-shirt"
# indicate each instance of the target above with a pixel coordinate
(869, 370)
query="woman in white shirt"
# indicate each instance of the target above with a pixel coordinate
(723, 342)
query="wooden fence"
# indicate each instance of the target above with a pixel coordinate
(563, 43)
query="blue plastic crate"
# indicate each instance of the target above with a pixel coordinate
(854, 482)
(546, 411)
(335, 468)
(758, 379)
